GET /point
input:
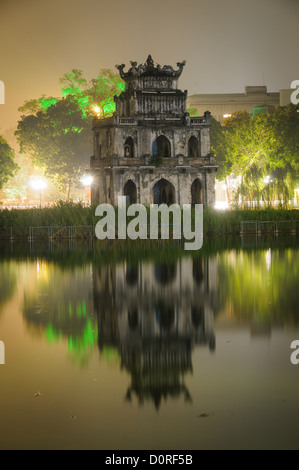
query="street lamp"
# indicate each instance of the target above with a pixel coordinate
(268, 180)
(38, 184)
(86, 181)
(97, 111)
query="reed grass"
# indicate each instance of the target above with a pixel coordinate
(16, 222)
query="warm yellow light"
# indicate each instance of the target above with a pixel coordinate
(38, 184)
(86, 180)
(97, 110)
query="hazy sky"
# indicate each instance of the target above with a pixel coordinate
(227, 44)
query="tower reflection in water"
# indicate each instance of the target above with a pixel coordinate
(155, 314)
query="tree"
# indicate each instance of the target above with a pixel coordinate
(7, 164)
(284, 150)
(57, 132)
(192, 112)
(58, 140)
(261, 146)
(217, 142)
(98, 92)
(247, 144)
(262, 150)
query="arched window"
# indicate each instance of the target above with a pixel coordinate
(129, 148)
(130, 190)
(193, 147)
(163, 192)
(196, 192)
(162, 147)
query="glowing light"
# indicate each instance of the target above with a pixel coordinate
(38, 183)
(97, 110)
(86, 180)
(221, 205)
(226, 115)
(268, 179)
(268, 259)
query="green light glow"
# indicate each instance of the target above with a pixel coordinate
(88, 339)
(84, 309)
(52, 335)
(76, 344)
(45, 103)
(109, 108)
(74, 129)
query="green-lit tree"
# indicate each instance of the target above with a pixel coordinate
(58, 140)
(192, 111)
(56, 132)
(98, 92)
(7, 164)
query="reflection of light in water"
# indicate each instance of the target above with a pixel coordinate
(42, 270)
(268, 259)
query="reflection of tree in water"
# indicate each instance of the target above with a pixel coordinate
(8, 281)
(59, 306)
(260, 286)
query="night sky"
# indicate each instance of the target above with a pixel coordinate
(227, 44)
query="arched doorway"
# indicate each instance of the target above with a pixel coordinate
(163, 192)
(193, 147)
(130, 191)
(162, 147)
(129, 148)
(196, 192)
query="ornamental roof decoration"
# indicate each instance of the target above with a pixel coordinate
(149, 69)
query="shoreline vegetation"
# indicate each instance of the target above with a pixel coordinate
(67, 220)
(73, 253)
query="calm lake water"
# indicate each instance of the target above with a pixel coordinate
(174, 352)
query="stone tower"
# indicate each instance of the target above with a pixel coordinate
(151, 150)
